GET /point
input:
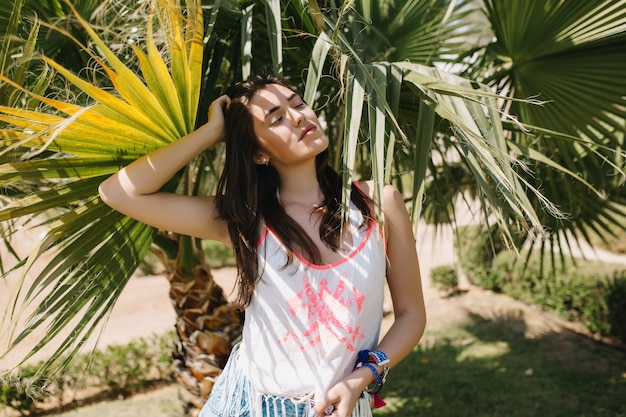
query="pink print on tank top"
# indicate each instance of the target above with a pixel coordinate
(329, 313)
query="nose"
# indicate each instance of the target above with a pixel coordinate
(296, 116)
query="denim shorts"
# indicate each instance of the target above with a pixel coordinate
(272, 406)
(237, 396)
(232, 392)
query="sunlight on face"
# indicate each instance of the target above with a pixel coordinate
(287, 129)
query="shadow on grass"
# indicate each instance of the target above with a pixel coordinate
(494, 370)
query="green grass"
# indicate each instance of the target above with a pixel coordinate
(160, 403)
(489, 369)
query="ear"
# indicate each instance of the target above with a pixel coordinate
(260, 158)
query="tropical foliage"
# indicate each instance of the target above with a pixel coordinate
(116, 21)
(373, 71)
(570, 58)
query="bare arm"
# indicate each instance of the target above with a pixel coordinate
(404, 281)
(134, 190)
(405, 285)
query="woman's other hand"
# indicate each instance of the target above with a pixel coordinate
(343, 395)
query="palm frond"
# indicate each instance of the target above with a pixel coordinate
(274, 29)
(571, 58)
(469, 110)
(415, 30)
(94, 249)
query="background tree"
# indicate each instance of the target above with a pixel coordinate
(570, 59)
(32, 27)
(367, 68)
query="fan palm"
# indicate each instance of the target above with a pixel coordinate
(29, 28)
(112, 17)
(406, 111)
(571, 58)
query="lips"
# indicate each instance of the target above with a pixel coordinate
(307, 131)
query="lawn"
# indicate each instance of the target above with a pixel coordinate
(489, 369)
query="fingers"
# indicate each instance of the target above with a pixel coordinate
(324, 407)
(328, 411)
(224, 101)
(221, 103)
(339, 409)
(216, 114)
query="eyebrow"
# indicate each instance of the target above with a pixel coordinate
(273, 109)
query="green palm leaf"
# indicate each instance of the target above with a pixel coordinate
(571, 57)
(414, 30)
(95, 250)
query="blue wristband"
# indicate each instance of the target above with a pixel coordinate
(369, 358)
(373, 369)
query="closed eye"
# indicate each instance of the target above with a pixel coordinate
(276, 120)
(278, 116)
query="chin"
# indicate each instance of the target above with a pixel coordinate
(325, 142)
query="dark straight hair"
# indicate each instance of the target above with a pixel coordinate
(247, 194)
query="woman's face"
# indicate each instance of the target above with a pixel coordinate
(287, 130)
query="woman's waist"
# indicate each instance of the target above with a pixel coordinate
(272, 372)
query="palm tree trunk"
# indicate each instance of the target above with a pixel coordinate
(207, 326)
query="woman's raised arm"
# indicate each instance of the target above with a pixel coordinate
(134, 190)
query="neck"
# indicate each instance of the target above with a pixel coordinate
(300, 186)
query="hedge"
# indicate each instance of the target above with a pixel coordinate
(590, 292)
(116, 371)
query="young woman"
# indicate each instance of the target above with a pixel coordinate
(311, 286)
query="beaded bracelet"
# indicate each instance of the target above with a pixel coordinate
(367, 358)
(378, 357)
(373, 356)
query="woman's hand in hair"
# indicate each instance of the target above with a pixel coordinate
(136, 190)
(217, 110)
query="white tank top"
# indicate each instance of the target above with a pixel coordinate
(306, 323)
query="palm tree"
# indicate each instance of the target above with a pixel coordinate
(114, 19)
(574, 65)
(362, 84)
(570, 59)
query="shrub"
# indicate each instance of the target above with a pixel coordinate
(21, 390)
(116, 370)
(616, 303)
(445, 278)
(590, 292)
(477, 246)
(217, 254)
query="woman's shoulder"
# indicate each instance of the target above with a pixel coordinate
(393, 204)
(390, 192)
